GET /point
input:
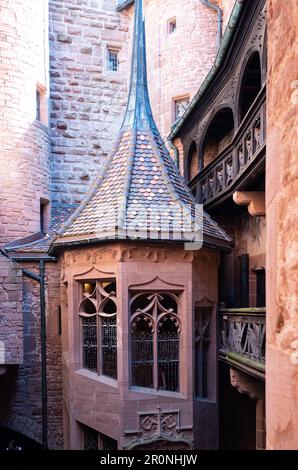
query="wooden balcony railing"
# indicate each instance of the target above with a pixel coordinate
(242, 338)
(237, 160)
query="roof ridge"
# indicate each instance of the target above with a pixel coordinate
(128, 175)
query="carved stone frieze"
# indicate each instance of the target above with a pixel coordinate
(160, 426)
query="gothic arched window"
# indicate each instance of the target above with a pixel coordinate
(155, 327)
(98, 310)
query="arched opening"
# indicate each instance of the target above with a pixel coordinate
(219, 135)
(251, 84)
(193, 161)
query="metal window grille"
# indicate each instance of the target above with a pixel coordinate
(109, 346)
(90, 343)
(180, 106)
(94, 440)
(202, 344)
(98, 311)
(155, 328)
(168, 357)
(172, 25)
(107, 443)
(90, 439)
(113, 62)
(142, 355)
(37, 105)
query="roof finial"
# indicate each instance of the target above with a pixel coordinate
(138, 112)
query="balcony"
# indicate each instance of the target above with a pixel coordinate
(239, 162)
(242, 339)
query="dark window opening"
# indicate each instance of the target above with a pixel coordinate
(193, 161)
(261, 287)
(90, 439)
(172, 25)
(251, 84)
(98, 312)
(38, 105)
(244, 280)
(109, 346)
(43, 215)
(59, 321)
(94, 440)
(142, 354)
(202, 345)
(90, 343)
(168, 356)
(180, 105)
(218, 136)
(113, 60)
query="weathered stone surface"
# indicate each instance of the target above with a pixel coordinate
(282, 216)
(11, 318)
(24, 142)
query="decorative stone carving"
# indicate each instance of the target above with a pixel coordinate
(161, 427)
(244, 335)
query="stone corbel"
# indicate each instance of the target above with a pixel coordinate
(246, 384)
(255, 200)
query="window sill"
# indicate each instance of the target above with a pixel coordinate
(161, 393)
(99, 378)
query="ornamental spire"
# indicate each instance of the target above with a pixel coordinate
(138, 114)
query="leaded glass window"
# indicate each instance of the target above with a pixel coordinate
(94, 440)
(202, 345)
(155, 327)
(90, 439)
(113, 61)
(98, 313)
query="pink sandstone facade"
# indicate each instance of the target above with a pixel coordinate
(51, 157)
(114, 407)
(281, 211)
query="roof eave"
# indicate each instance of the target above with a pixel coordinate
(124, 4)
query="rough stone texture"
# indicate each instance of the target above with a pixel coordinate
(281, 200)
(20, 387)
(177, 62)
(24, 142)
(87, 100)
(11, 317)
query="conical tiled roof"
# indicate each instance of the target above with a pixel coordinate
(141, 194)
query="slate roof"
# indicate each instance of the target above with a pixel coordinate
(141, 194)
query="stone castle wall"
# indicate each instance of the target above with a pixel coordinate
(281, 214)
(24, 142)
(20, 386)
(11, 314)
(87, 100)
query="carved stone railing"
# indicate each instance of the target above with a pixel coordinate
(230, 166)
(242, 337)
